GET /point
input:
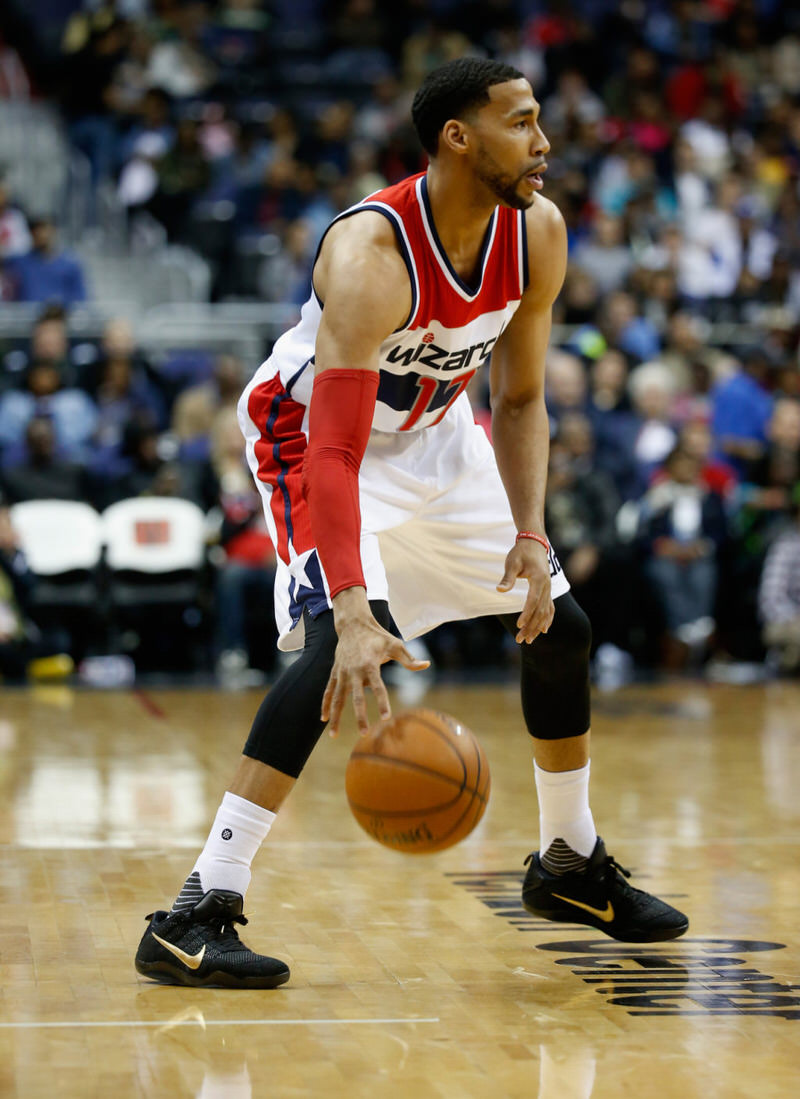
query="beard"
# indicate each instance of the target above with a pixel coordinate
(503, 186)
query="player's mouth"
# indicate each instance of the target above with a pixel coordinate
(534, 177)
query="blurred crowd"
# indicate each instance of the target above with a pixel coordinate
(243, 127)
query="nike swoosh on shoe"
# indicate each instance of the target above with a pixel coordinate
(606, 915)
(192, 961)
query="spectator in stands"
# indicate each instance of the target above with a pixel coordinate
(94, 47)
(183, 175)
(246, 573)
(608, 382)
(15, 239)
(123, 390)
(25, 652)
(47, 273)
(284, 276)
(682, 529)
(40, 471)
(138, 180)
(741, 407)
(625, 328)
(148, 465)
(696, 440)
(153, 121)
(652, 393)
(567, 387)
(572, 104)
(49, 342)
(196, 409)
(141, 462)
(383, 112)
(178, 63)
(706, 134)
(605, 256)
(779, 595)
(581, 507)
(685, 345)
(72, 411)
(766, 496)
(579, 300)
(712, 255)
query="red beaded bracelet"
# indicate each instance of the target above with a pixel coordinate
(534, 538)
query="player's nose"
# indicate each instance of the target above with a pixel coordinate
(540, 146)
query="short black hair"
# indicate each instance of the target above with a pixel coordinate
(452, 90)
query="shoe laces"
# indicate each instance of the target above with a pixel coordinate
(224, 930)
(610, 863)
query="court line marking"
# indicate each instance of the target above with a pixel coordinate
(72, 1024)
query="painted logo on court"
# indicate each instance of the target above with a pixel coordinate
(683, 977)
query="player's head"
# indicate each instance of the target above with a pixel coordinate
(484, 111)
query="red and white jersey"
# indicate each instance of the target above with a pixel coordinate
(427, 363)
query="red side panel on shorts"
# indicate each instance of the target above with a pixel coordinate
(279, 452)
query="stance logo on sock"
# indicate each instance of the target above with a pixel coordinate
(191, 893)
(226, 833)
(559, 858)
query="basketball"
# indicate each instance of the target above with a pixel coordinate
(418, 782)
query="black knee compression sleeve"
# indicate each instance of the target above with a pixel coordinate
(555, 673)
(287, 725)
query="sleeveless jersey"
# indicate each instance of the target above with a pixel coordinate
(427, 363)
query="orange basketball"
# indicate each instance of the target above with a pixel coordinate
(418, 782)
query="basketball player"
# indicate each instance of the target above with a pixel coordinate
(390, 512)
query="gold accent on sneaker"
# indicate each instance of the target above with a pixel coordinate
(606, 916)
(192, 961)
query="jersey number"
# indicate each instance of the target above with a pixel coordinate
(430, 388)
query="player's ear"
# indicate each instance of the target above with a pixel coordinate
(454, 136)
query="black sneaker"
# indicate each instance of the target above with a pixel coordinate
(601, 897)
(201, 947)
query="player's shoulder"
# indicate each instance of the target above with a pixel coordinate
(360, 269)
(547, 252)
(360, 230)
(544, 222)
(360, 251)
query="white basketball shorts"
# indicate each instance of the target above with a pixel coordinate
(435, 520)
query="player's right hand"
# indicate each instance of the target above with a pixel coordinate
(364, 645)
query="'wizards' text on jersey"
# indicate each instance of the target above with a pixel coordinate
(451, 330)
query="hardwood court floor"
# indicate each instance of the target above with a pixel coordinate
(416, 977)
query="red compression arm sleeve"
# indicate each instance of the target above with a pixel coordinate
(339, 422)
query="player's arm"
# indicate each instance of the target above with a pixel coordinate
(363, 282)
(520, 428)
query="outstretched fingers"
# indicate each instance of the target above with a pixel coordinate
(355, 681)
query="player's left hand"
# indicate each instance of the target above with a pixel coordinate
(529, 560)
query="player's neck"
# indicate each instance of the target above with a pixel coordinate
(462, 209)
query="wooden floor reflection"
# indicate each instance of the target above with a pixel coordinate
(415, 977)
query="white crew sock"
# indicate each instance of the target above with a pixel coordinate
(564, 812)
(239, 829)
